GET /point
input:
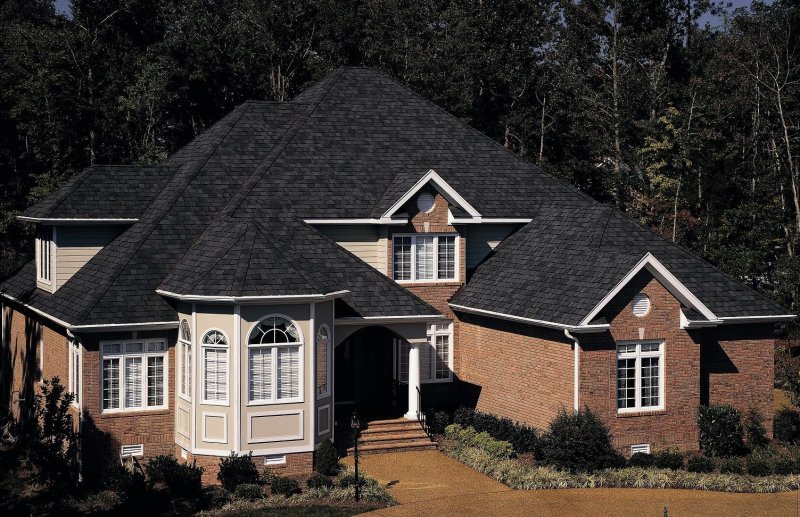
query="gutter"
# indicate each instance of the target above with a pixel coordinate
(295, 298)
(578, 329)
(69, 220)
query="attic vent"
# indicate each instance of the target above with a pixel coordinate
(644, 448)
(425, 202)
(640, 304)
(132, 450)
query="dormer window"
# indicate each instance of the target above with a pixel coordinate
(44, 240)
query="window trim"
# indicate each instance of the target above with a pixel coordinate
(328, 373)
(432, 333)
(203, 348)
(75, 351)
(183, 365)
(40, 255)
(638, 355)
(144, 354)
(436, 279)
(300, 344)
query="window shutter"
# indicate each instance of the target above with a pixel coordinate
(133, 382)
(288, 372)
(260, 373)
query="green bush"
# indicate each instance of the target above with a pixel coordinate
(248, 492)
(236, 470)
(131, 483)
(786, 425)
(702, 464)
(732, 466)
(721, 432)
(437, 421)
(754, 429)
(319, 481)
(667, 459)
(53, 448)
(215, 496)
(482, 440)
(182, 479)
(759, 463)
(284, 486)
(326, 458)
(349, 479)
(579, 442)
(785, 464)
(522, 438)
(641, 459)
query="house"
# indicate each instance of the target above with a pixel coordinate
(358, 246)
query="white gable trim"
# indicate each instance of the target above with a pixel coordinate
(486, 220)
(69, 221)
(663, 275)
(432, 177)
(579, 329)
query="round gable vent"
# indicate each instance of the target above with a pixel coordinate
(425, 202)
(640, 305)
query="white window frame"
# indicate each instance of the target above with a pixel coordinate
(75, 352)
(300, 345)
(638, 355)
(184, 366)
(435, 279)
(328, 372)
(121, 356)
(203, 348)
(44, 255)
(432, 332)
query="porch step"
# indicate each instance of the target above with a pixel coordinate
(392, 436)
(420, 445)
(391, 429)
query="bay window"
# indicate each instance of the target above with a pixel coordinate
(424, 258)
(133, 375)
(215, 368)
(275, 356)
(640, 376)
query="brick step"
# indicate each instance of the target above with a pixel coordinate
(415, 445)
(391, 421)
(393, 437)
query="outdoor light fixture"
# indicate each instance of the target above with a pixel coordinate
(355, 425)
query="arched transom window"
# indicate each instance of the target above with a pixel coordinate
(275, 361)
(185, 361)
(323, 360)
(215, 367)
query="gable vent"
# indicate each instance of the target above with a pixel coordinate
(640, 305)
(132, 450)
(426, 202)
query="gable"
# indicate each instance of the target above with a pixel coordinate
(431, 179)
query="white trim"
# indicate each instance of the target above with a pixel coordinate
(202, 359)
(435, 236)
(121, 357)
(451, 220)
(581, 329)
(380, 320)
(680, 291)
(294, 298)
(193, 384)
(398, 221)
(273, 346)
(328, 375)
(237, 376)
(69, 220)
(638, 355)
(54, 258)
(75, 353)
(224, 427)
(757, 319)
(444, 188)
(120, 327)
(319, 410)
(270, 439)
(576, 370)
(259, 452)
(312, 415)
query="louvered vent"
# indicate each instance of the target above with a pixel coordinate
(640, 304)
(132, 450)
(642, 447)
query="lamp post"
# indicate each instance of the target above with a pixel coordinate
(355, 425)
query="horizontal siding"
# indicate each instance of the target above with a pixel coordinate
(360, 240)
(482, 238)
(76, 245)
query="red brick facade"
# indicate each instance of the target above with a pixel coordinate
(297, 464)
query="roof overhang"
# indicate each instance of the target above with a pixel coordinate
(577, 329)
(386, 320)
(687, 323)
(66, 221)
(367, 220)
(444, 188)
(451, 219)
(290, 298)
(667, 279)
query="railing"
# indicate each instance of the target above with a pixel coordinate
(423, 421)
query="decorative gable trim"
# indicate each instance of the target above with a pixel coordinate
(667, 279)
(449, 192)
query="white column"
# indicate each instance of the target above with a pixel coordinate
(413, 381)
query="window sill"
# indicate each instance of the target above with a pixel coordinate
(274, 402)
(643, 412)
(134, 412)
(443, 283)
(220, 403)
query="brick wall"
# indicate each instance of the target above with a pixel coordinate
(297, 464)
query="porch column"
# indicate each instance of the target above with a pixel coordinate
(413, 379)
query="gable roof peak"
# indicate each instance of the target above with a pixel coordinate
(444, 188)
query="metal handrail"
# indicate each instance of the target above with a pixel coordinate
(421, 418)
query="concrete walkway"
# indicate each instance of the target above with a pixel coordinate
(430, 483)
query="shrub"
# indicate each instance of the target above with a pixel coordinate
(319, 481)
(579, 442)
(215, 496)
(732, 466)
(182, 479)
(53, 448)
(326, 458)
(784, 465)
(702, 464)
(117, 478)
(248, 492)
(235, 470)
(284, 486)
(521, 437)
(721, 432)
(641, 459)
(786, 426)
(759, 463)
(667, 459)
(437, 421)
(482, 440)
(754, 429)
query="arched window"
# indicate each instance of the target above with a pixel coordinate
(323, 361)
(275, 361)
(185, 362)
(215, 367)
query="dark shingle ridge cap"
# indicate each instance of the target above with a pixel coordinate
(155, 213)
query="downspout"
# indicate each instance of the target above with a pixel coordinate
(73, 338)
(576, 369)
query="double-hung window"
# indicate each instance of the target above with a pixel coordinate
(185, 360)
(275, 362)
(133, 375)
(640, 376)
(424, 258)
(215, 368)
(44, 240)
(75, 371)
(435, 358)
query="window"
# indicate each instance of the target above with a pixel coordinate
(323, 360)
(275, 350)
(640, 376)
(436, 359)
(44, 240)
(424, 258)
(134, 374)
(75, 371)
(185, 360)
(215, 367)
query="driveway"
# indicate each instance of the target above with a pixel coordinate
(430, 483)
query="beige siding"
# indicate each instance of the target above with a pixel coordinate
(76, 245)
(360, 240)
(482, 239)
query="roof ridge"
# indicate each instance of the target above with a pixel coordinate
(240, 279)
(210, 269)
